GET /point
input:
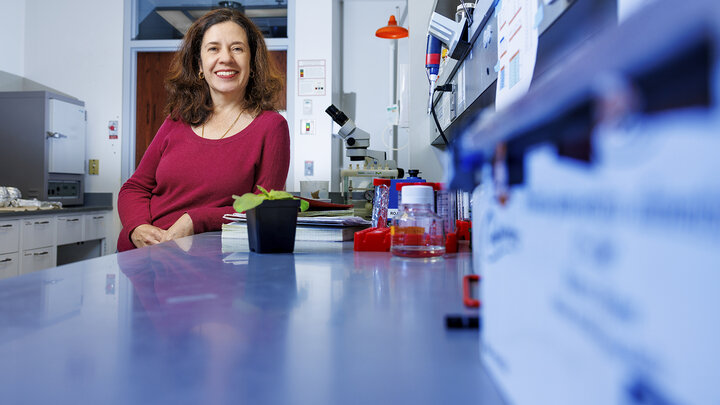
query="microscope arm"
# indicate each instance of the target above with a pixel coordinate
(357, 141)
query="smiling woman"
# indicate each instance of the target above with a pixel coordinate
(221, 137)
(225, 60)
(187, 80)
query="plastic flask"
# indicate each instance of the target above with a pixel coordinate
(446, 206)
(380, 203)
(416, 230)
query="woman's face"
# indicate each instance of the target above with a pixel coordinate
(225, 59)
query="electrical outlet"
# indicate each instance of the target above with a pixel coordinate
(94, 166)
(309, 170)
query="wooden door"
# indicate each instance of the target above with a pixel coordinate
(152, 68)
(280, 60)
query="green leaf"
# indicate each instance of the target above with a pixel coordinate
(279, 195)
(265, 192)
(247, 201)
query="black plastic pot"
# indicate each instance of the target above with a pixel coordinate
(271, 226)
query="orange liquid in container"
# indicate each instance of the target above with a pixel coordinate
(416, 230)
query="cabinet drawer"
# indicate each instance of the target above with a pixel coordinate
(9, 265)
(9, 236)
(95, 225)
(38, 232)
(69, 229)
(37, 259)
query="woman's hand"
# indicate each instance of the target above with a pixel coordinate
(146, 235)
(181, 228)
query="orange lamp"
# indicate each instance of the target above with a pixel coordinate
(392, 30)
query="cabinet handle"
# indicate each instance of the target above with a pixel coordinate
(6, 226)
(73, 220)
(55, 135)
(98, 217)
(41, 253)
(42, 223)
(6, 260)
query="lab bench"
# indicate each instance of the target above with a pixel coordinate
(40, 239)
(203, 320)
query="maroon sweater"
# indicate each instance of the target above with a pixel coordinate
(181, 172)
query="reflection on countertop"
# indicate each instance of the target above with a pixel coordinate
(196, 321)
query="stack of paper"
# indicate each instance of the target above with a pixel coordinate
(330, 229)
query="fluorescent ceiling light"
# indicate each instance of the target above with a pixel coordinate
(177, 19)
(265, 12)
(197, 13)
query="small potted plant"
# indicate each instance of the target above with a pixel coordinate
(271, 219)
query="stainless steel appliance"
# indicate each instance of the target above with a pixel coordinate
(42, 145)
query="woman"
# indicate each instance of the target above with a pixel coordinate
(221, 137)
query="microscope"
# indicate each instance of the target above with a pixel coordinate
(375, 163)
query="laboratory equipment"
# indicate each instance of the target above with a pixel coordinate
(416, 230)
(375, 163)
(435, 186)
(372, 240)
(464, 9)
(315, 189)
(563, 27)
(380, 203)
(43, 145)
(357, 142)
(394, 203)
(446, 206)
(392, 30)
(453, 34)
(432, 65)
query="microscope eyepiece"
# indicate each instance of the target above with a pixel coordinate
(338, 116)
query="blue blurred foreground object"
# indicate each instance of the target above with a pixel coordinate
(600, 261)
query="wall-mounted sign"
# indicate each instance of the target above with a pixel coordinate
(311, 77)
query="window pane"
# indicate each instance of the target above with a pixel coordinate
(169, 19)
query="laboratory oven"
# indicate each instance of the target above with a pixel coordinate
(42, 145)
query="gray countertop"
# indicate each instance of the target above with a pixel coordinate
(202, 321)
(93, 202)
(61, 211)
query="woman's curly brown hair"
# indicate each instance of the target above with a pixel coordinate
(189, 96)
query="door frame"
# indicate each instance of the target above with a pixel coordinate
(132, 47)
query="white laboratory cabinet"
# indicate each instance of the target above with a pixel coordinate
(36, 242)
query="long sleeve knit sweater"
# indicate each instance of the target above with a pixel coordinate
(182, 172)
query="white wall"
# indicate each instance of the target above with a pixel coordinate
(76, 47)
(313, 40)
(429, 159)
(367, 65)
(12, 37)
